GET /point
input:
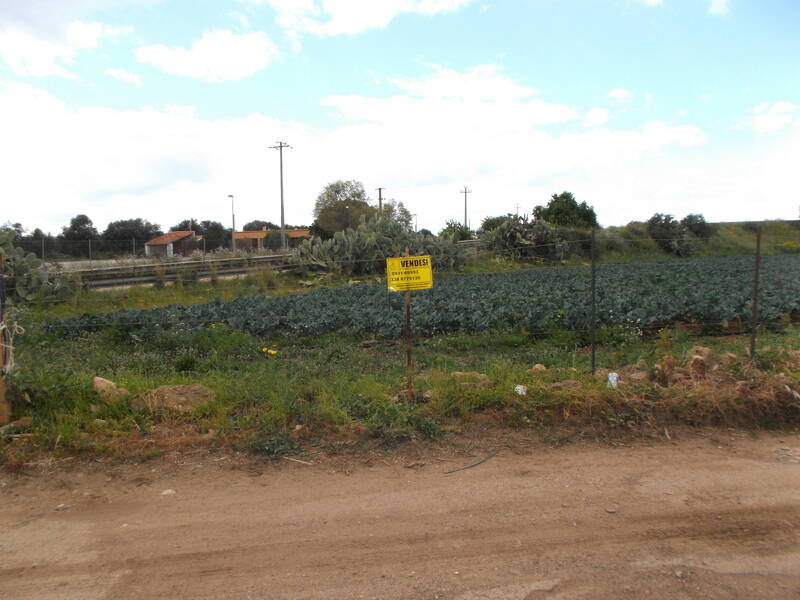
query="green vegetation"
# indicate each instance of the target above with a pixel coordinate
(276, 394)
(563, 210)
(365, 249)
(25, 280)
(713, 293)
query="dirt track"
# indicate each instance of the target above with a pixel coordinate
(699, 518)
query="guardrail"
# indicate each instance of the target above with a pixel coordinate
(140, 274)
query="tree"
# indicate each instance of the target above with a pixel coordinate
(491, 223)
(188, 225)
(455, 232)
(16, 229)
(696, 223)
(342, 205)
(670, 235)
(564, 211)
(80, 228)
(396, 211)
(140, 230)
(258, 225)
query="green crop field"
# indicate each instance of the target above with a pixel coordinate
(711, 292)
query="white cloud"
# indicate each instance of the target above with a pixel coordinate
(620, 94)
(484, 82)
(719, 7)
(349, 17)
(80, 34)
(170, 164)
(125, 76)
(772, 117)
(596, 117)
(29, 55)
(219, 55)
(651, 2)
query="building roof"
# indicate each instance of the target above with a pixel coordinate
(168, 238)
(262, 233)
(251, 235)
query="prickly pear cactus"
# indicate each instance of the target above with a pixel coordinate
(25, 278)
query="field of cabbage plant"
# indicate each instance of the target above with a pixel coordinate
(713, 292)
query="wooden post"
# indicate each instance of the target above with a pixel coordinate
(409, 346)
(594, 304)
(5, 407)
(756, 282)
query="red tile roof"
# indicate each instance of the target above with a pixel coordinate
(168, 238)
(298, 233)
(251, 235)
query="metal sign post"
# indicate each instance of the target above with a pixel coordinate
(404, 274)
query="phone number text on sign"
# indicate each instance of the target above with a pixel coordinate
(407, 273)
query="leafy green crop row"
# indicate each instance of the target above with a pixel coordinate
(709, 291)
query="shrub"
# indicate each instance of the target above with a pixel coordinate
(364, 250)
(519, 238)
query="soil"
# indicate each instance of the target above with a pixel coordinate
(714, 516)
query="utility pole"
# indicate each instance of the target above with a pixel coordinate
(279, 147)
(233, 226)
(517, 208)
(380, 200)
(465, 191)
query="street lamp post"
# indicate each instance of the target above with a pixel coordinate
(415, 221)
(233, 226)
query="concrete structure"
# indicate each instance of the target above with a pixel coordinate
(174, 243)
(257, 240)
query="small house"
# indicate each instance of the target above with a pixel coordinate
(174, 243)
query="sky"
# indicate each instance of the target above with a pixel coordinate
(160, 109)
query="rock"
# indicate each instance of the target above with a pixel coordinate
(169, 492)
(537, 368)
(570, 384)
(699, 351)
(426, 396)
(638, 377)
(611, 511)
(468, 375)
(368, 343)
(601, 374)
(176, 398)
(665, 368)
(16, 426)
(483, 384)
(698, 366)
(61, 507)
(108, 390)
(22, 423)
(791, 394)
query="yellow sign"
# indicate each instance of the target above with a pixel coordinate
(409, 273)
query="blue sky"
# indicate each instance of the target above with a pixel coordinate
(160, 108)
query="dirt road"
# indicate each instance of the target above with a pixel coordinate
(710, 517)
